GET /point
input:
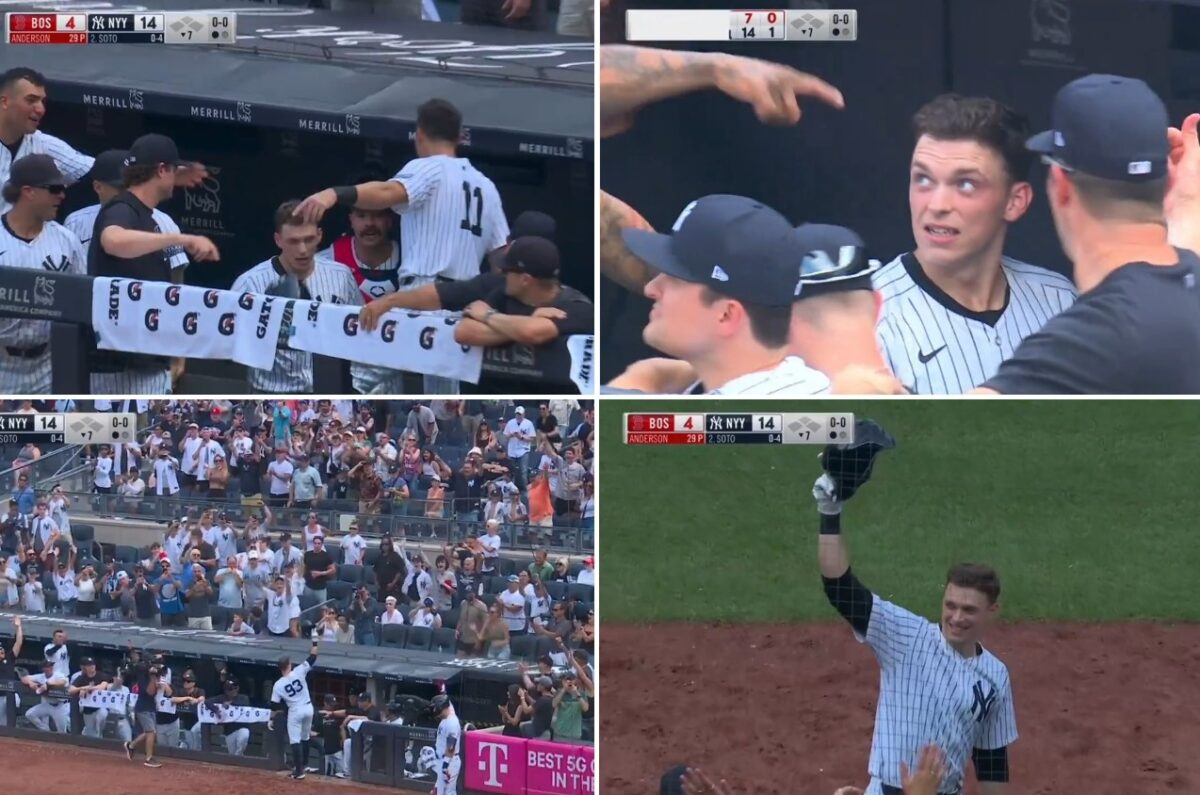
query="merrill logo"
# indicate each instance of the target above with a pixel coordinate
(465, 138)
(245, 112)
(43, 291)
(205, 197)
(135, 99)
(352, 124)
(1051, 21)
(574, 147)
(496, 761)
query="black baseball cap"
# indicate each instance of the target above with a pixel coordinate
(835, 260)
(33, 171)
(672, 781)
(535, 256)
(737, 246)
(532, 223)
(1108, 126)
(108, 167)
(86, 661)
(153, 149)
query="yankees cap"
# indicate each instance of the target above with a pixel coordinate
(153, 149)
(737, 246)
(34, 171)
(108, 167)
(835, 260)
(1108, 126)
(87, 661)
(535, 256)
(532, 223)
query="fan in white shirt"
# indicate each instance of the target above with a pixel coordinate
(426, 616)
(354, 547)
(104, 470)
(390, 614)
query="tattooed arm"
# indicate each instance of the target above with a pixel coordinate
(617, 262)
(633, 77)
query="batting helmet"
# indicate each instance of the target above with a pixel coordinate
(438, 703)
(850, 464)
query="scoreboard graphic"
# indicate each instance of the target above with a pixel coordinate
(818, 428)
(93, 428)
(149, 27)
(748, 25)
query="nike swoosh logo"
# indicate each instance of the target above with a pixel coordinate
(926, 358)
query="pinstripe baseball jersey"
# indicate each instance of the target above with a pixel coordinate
(791, 377)
(73, 164)
(56, 250)
(936, 346)
(329, 282)
(82, 222)
(929, 693)
(452, 220)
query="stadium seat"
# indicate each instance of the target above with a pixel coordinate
(557, 590)
(82, 534)
(350, 573)
(127, 555)
(221, 616)
(508, 566)
(443, 640)
(542, 646)
(419, 638)
(574, 569)
(369, 576)
(370, 555)
(497, 584)
(522, 647)
(580, 591)
(393, 635)
(342, 591)
(307, 600)
(449, 618)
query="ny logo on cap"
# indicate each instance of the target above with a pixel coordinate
(1139, 167)
(1058, 139)
(719, 274)
(683, 216)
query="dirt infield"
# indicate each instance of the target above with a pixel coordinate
(51, 767)
(1106, 709)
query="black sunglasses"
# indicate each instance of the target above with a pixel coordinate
(57, 190)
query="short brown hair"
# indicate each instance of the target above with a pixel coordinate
(1114, 200)
(285, 215)
(10, 193)
(440, 120)
(976, 576)
(770, 325)
(953, 117)
(140, 174)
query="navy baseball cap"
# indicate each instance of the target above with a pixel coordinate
(108, 167)
(1108, 126)
(672, 781)
(532, 223)
(155, 149)
(835, 260)
(737, 246)
(535, 256)
(32, 171)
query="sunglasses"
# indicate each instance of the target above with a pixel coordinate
(57, 190)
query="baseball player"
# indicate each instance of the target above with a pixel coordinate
(31, 238)
(447, 745)
(55, 652)
(107, 183)
(291, 689)
(451, 216)
(88, 680)
(8, 673)
(938, 683)
(127, 242)
(54, 706)
(1136, 326)
(22, 107)
(296, 272)
(728, 274)
(955, 307)
(373, 257)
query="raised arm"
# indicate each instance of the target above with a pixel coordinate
(850, 597)
(617, 262)
(19, 641)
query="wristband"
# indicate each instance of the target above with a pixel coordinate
(347, 195)
(831, 525)
(488, 316)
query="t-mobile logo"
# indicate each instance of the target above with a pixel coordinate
(494, 762)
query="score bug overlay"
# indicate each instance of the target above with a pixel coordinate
(817, 428)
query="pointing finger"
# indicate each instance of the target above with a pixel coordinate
(808, 85)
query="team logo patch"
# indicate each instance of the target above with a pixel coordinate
(60, 266)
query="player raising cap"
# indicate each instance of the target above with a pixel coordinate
(31, 238)
(728, 274)
(291, 689)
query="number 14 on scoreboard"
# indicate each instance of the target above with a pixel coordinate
(756, 26)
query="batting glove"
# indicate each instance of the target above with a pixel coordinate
(823, 492)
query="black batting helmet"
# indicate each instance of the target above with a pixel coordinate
(438, 703)
(850, 465)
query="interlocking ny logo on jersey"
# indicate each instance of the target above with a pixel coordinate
(983, 703)
(61, 266)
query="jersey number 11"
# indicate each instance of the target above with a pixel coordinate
(476, 228)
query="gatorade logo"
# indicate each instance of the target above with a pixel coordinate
(388, 330)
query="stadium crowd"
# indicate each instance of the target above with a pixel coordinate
(284, 573)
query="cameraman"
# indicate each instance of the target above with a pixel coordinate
(147, 677)
(569, 708)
